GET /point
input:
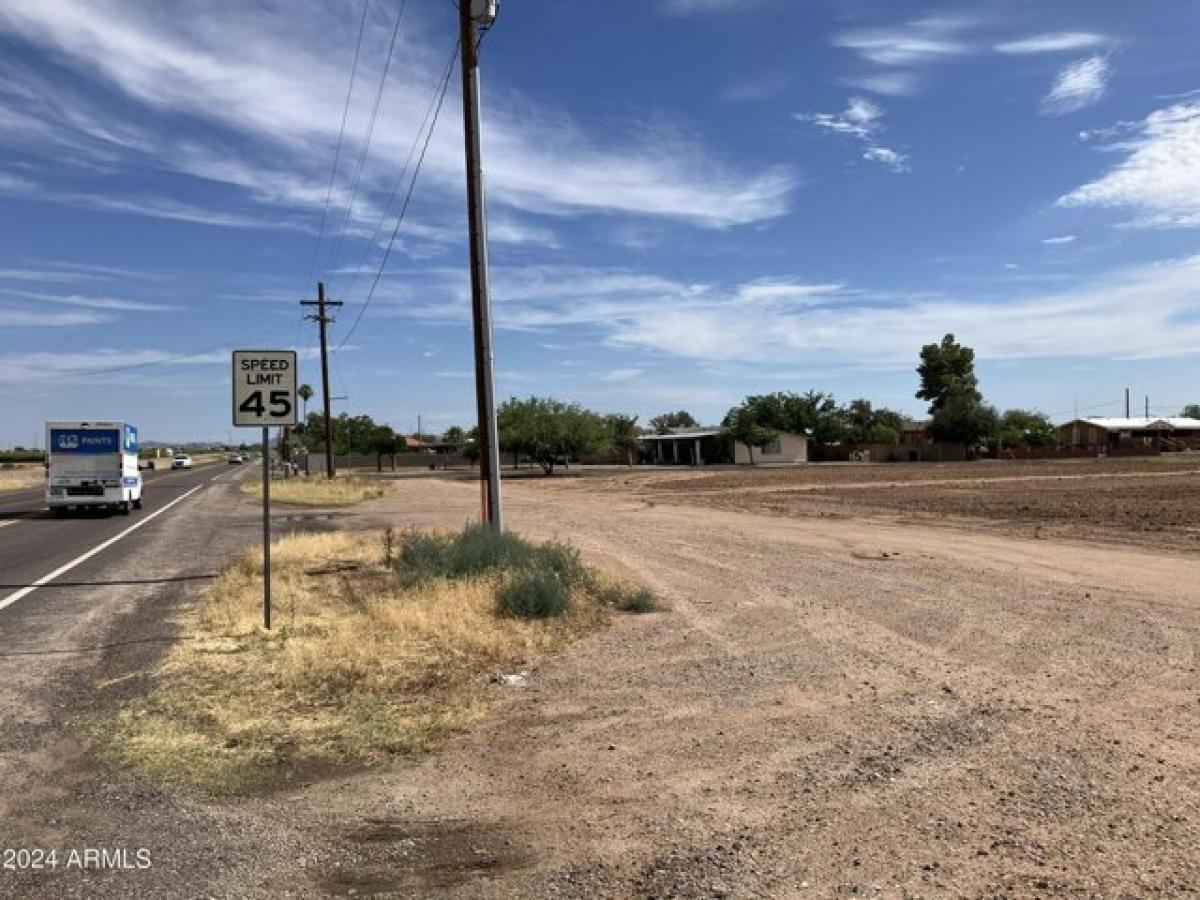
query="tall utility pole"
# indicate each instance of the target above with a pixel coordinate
(473, 14)
(1127, 403)
(323, 321)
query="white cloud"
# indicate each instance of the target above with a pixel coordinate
(1061, 239)
(895, 161)
(1159, 177)
(86, 302)
(623, 374)
(1137, 312)
(278, 90)
(921, 41)
(34, 318)
(861, 119)
(1053, 42)
(893, 84)
(693, 7)
(1079, 85)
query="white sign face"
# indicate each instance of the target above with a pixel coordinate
(264, 388)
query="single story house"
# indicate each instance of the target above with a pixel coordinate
(711, 446)
(786, 448)
(1110, 433)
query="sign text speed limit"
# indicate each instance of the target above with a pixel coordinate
(264, 388)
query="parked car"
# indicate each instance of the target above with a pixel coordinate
(181, 461)
(145, 464)
(236, 459)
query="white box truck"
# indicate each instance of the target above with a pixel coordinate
(92, 464)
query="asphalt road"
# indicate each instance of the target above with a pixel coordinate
(34, 545)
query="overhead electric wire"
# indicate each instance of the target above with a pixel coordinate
(412, 152)
(407, 199)
(337, 153)
(362, 159)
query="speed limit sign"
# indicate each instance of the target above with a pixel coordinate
(264, 388)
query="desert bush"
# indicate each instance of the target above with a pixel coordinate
(533, 594)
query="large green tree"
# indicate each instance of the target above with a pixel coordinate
(1191, 411)
(947, 371)
(868, 425)
(549, 431)
(454, 436)
(815, 413)
(963, 419)
(1027, 428)
(680, 419)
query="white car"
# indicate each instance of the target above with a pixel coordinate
(181, 461)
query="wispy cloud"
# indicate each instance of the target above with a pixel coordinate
(695, 7)
(278, 92)
(1061, 239)
(1053, 42)
(861, 119)
(622, 374)
(1159, 176)
(920, 41)
(116, 304)
(36, 318)
(1078, 86)
(896, 54)
(893, 84)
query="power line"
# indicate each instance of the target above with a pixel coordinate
(337, 153)
(362, 159)
(412, 151)
(407, 200)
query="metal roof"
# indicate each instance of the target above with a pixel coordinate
(682, 434)
(1139, 423)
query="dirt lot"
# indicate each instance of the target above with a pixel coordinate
(846, 707)
(856, 706)
(1154, 503)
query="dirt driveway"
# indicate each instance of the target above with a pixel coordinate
(831, 708)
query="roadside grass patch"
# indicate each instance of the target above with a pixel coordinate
(381, 645)
(316, 491)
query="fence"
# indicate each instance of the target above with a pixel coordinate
(314, 463)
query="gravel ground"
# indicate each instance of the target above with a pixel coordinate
(831, 707)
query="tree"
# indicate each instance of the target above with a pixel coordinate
(624, 434)
(741, 423)
(470, 447)
(947, 372)
(681, 419)
(963, 419)
(454, 436)
(549, 431)
(867, 425)
(815, 413)
(305, 393)
(1027, 428)
(1191, 411)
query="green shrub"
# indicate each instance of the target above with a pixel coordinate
(480, 550)
(533, 594)
(638, 600)
(421, 556)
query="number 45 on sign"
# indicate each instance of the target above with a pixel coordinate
(264, 388)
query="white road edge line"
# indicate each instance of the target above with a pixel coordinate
(67, 567)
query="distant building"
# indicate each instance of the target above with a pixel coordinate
(711, 446)
(1112, 433)
(786, 448)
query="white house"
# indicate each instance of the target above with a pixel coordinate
(787, 448)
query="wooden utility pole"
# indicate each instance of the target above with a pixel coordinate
(323, 321)
(473, 14)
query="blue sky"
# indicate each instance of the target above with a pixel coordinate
(690, 200)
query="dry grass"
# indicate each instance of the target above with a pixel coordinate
(356, 668)
(317, 491)
(16, 484)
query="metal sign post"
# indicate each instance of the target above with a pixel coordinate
(264, 395)
(266, 444)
